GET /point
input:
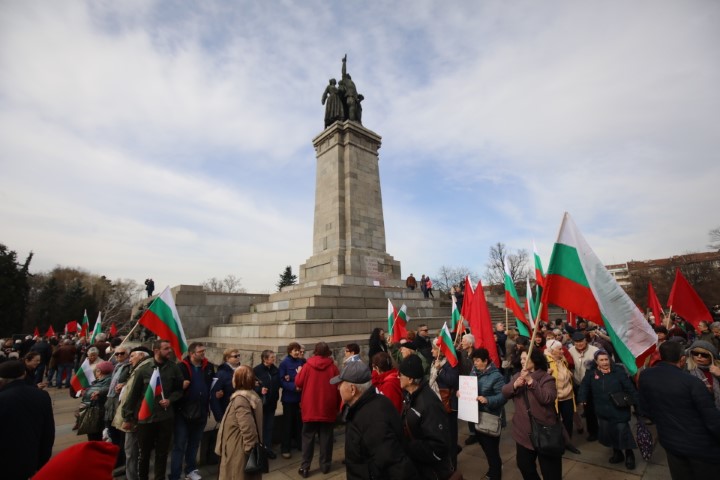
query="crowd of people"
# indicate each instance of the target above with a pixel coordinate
(399, 403)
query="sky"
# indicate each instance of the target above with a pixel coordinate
(173, 139)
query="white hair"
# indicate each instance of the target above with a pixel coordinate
(470, 337)
(551, 344)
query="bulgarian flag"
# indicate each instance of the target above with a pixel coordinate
(391, 319)
(512, 302)
(83, 377)
(97, 330)
(84, 325)
(455, 319)
(400, 320)
(163, 320)
(530, 304)
(446, 345)
(578, 281)
(654, 305)
(539, 274)
(154, 389)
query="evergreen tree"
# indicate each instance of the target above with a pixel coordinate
(287, 278)
(14, 290)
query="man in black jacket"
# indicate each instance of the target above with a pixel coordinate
(26, 416)
(687, 421)
(373, 437)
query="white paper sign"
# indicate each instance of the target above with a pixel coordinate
(467, 402)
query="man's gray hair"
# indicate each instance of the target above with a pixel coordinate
(101, 337)
(363, 387)
(714, 325)
(93, 350)
(470, 337)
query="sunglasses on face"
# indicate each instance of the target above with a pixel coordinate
(701, 354)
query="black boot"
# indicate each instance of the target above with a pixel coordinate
(629, 459)
(617, 456)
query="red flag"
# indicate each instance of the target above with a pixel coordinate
(113, 330)
(467, 299)
(36, 332)
(654, 305)
(50, 332)
(481, 324)
(686, 302)
(71, 326)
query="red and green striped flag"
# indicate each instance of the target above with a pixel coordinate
(163, 320)
(512, 302)
(446, 345)
(455, 319)
(83, 377)
(539, 274)
(391, 319)
(578, 281)
(154, 389)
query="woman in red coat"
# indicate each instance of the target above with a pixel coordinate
(385, 379)
(319, 405)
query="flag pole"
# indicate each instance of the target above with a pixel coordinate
(125, 338)
(535, 329)
(507, 324)
(667, 318)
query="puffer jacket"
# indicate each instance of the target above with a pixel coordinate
(288, 371)
(490, 383)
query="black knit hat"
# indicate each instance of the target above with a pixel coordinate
(412, 367)
(12, 369)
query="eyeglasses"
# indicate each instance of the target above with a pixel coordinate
(701, 354)
(120, 353)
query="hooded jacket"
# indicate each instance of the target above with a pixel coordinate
(388, 384)
(319, 400)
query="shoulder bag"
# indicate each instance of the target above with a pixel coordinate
(621, 399)
(257, 460)
(89, 419)
(488, 424)
(545, 439)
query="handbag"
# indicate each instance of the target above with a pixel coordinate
(545, 439)
(621, 399)
(257, 460)
(488, 424)
(89, 419)
(445, 396)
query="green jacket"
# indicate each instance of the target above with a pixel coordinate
(172, 381)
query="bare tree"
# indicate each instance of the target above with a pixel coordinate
(714, 235)
(517, 263)
(229, 284)
(447, 276)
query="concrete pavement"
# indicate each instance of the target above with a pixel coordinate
(591, 464)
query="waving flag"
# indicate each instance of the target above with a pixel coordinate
(512, 302)
(113, 330)
(654, 305)
(446, 345)
(36, 332)
(82, 378)
(685, 301)
(578, 281)
(481, 324)
(454, 315)
(71, 326)
(84, 325)
(97, 330)
(50, 332)
(163, 320)
(539, 275)
(154, 389)
(530, 304)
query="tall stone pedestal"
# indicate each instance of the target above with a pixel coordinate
(349, 228)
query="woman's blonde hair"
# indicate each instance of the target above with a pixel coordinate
(244, 378)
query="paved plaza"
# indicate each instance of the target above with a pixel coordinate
(590, 465)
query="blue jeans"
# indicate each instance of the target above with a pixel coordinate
(187, 437)
(64, 368)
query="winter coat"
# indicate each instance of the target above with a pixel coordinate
(224, 384)
(374, 439)
(688, 424)
(541, 395)
(172, 380)
(117, 420)
(239, 431)
(388, 384)
(195, 401)
(269, 378)
(427, 433)
(490, 383)
(448, 377)
(319, 401)
(553, 369)
(288, 371)
(600, 385)
(26, 416)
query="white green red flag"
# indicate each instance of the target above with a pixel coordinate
(446, 345)
(84, 325)
(578, 281)
(163, 320)
(539, 274)
(154, 389)
(455, 319)
(530, 304)
(97, 329)
(391, 319)
(83, 377)
(512, 302)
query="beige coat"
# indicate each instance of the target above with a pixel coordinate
(237, 435)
